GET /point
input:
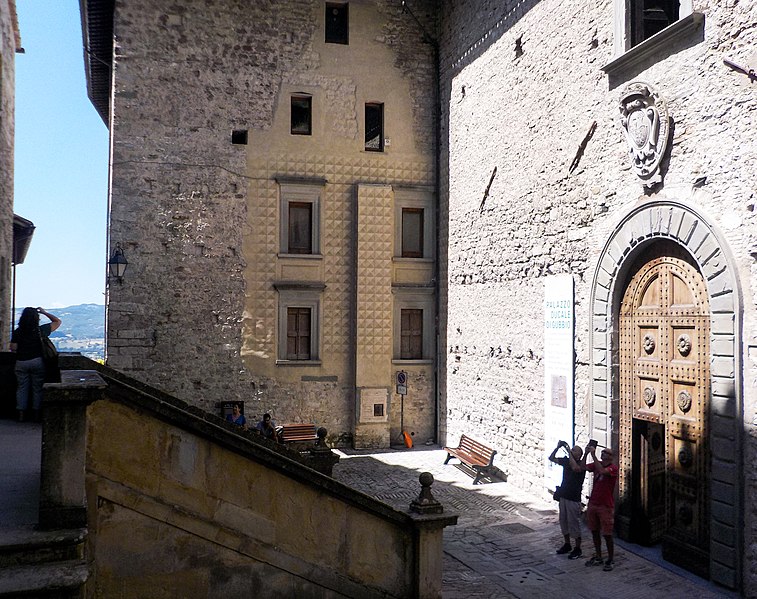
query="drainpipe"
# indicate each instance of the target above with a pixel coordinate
(437, 261)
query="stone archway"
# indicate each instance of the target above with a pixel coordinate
(672, 221)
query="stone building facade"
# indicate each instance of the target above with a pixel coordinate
(283, 253)
(264, 159)
(10, 42)
(557, 117)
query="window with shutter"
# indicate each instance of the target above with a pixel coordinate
(298, 334)
(411, 334)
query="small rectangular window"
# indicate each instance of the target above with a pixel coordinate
(298, 334)
(337, 23)
(302, 115)
(412, 232)
(239, 137)
(411, 334)
(649, 17)
(300, 235)
(374, 127)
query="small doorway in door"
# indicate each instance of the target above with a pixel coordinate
(648, 482)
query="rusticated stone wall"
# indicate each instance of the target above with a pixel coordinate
(522, 83)
(198, 217)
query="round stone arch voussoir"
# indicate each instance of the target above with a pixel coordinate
(677, 222)
(665, 219)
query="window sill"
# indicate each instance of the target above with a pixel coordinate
(412, 362)
(413, 260)
(300, 256)
(648, 48)
(298, 363)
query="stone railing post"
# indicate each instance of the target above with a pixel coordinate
(429, 520)
(62, 499)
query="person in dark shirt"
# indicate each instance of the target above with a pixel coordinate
(570, 497)
(26, 341)
(267, 428)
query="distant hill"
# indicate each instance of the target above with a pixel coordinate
(82, 329)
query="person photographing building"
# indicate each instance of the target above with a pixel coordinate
(26, 342)
(569, 494)
(600, 512)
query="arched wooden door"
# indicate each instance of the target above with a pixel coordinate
(664, 406)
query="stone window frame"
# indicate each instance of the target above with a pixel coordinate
(416, 297)
(302, 191)
(672, 219)
(297, 294)
(415, 198)
(626, 55)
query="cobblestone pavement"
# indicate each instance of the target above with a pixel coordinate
(504, 543)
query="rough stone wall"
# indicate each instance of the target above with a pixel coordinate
(7, 132)
(197, 216)
(521, 85)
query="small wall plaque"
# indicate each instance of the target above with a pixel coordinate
(373, 402)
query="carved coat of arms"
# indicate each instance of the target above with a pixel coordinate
(645, 122)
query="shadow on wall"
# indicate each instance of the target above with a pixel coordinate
(484, 23)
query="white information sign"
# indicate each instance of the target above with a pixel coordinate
(558, 370)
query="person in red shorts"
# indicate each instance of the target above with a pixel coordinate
(600, 512)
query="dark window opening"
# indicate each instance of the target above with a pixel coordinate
(378, 409)
(298, 333)
(239, 137)
(412, 232)
(337, 23)
(652, 16)
(300, 232)
(374, 127)
(411, 334)
(302, 115)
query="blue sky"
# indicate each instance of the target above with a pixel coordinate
(61, 167)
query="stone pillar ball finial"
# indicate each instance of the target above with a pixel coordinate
(425, 503)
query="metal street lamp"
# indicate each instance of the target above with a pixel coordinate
(117, 265)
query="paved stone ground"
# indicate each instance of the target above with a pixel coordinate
(504, 543)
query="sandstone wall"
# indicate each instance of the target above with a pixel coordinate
(521, 85)
(184, 514)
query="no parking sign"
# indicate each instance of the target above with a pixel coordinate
(402, 382)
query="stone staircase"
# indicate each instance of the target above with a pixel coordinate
(44, 564)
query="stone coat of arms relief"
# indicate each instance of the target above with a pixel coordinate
(645, 122)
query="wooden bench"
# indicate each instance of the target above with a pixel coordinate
(298, 433)
(474, 455)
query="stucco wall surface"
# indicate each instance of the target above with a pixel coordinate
(521, 86)
(179, 513)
